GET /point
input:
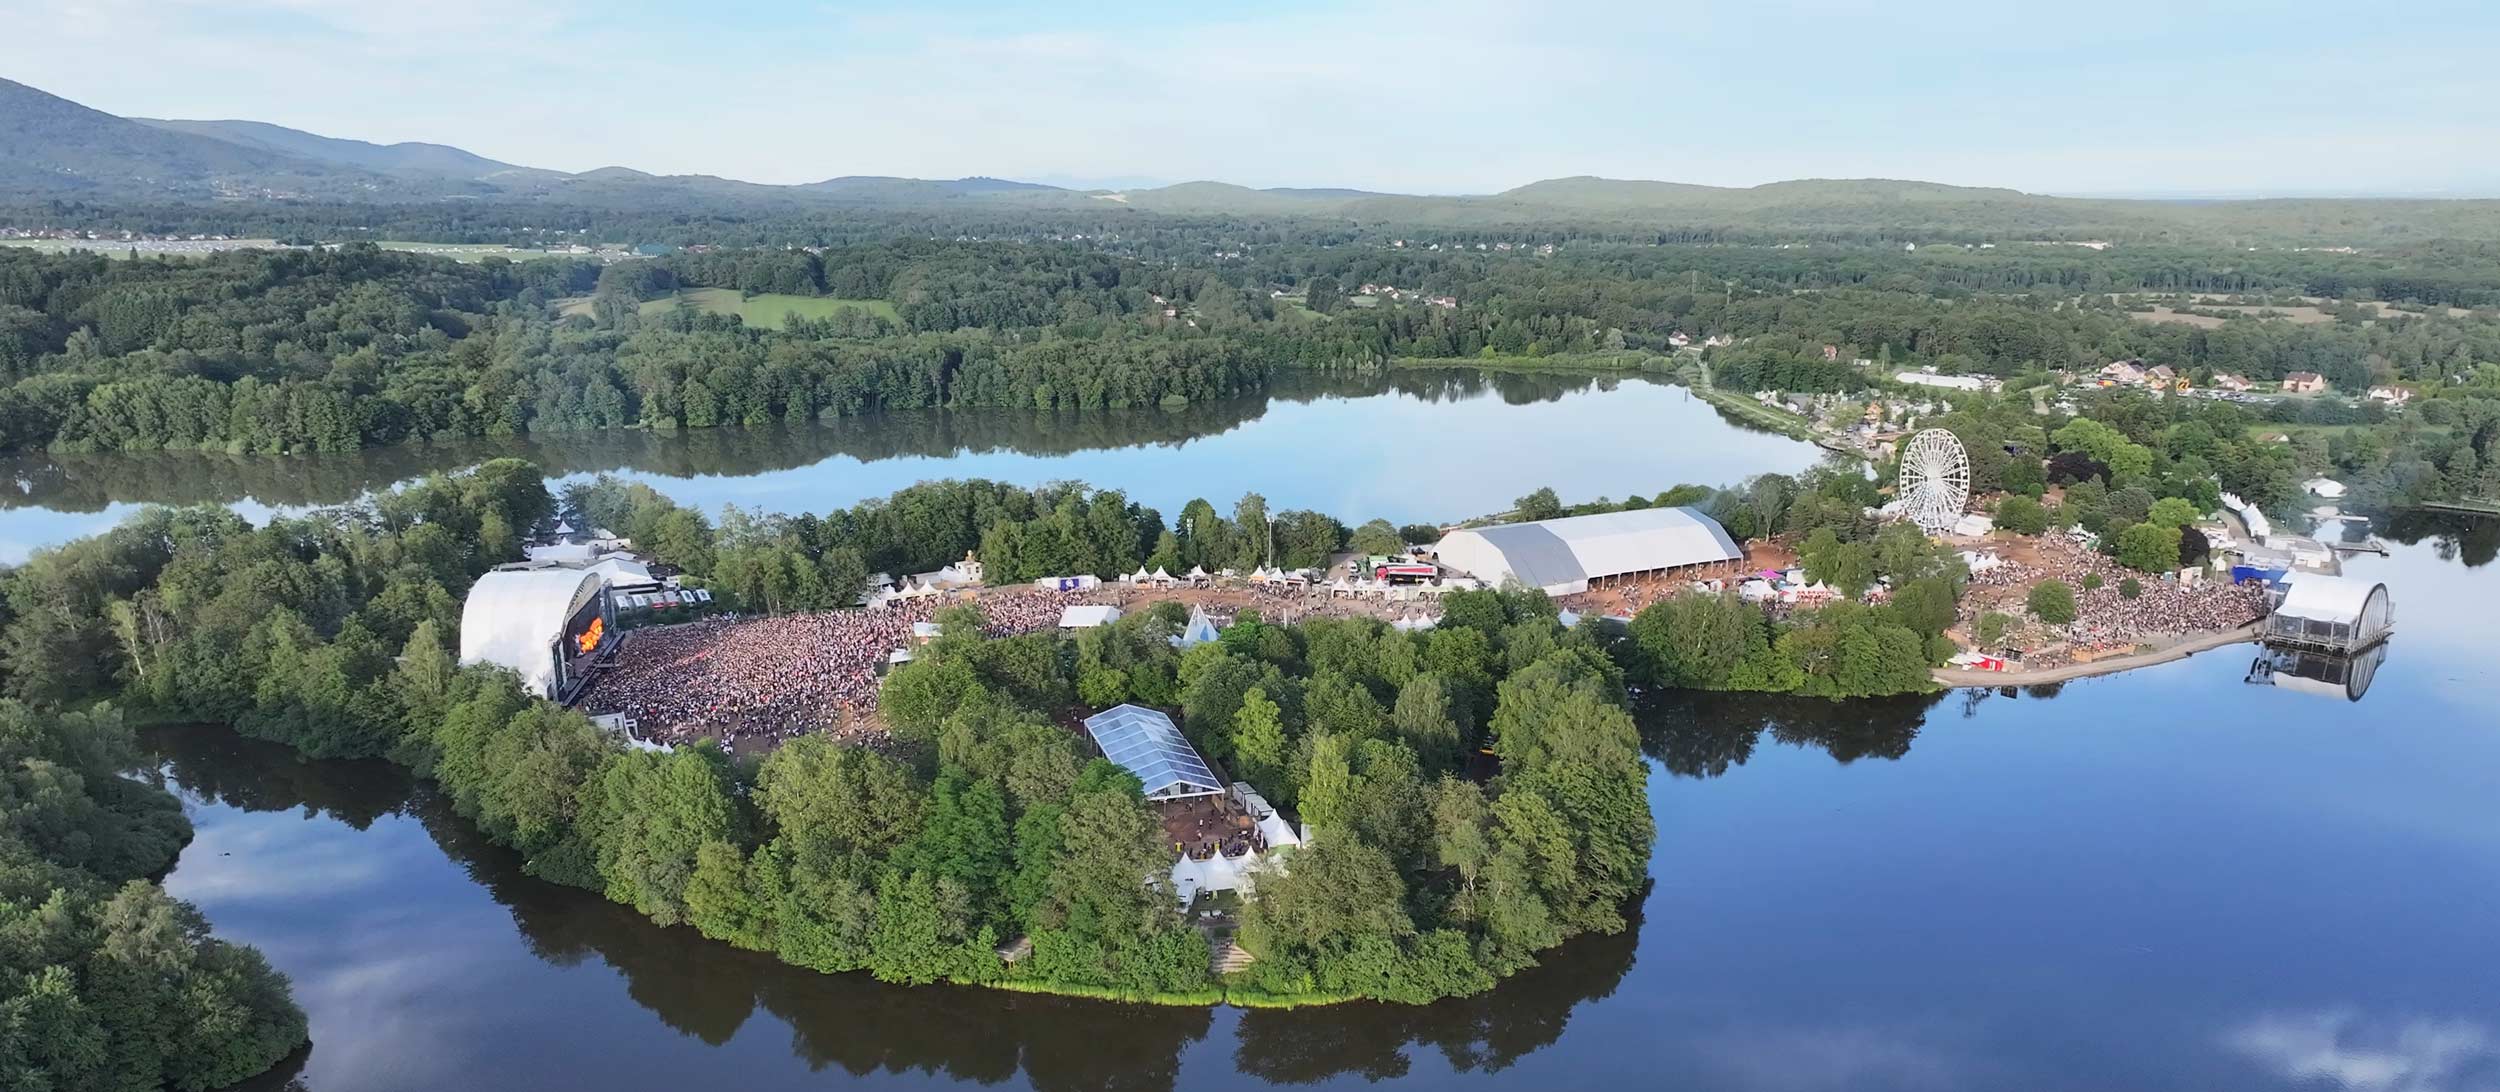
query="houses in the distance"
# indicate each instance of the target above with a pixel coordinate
(1396, 294)
(2122, 373)
(2304, 383)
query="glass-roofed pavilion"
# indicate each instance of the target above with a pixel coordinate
(1146, 743)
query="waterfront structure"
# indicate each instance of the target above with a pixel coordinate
(1563, 556)
(548, 625)
(2331, 614)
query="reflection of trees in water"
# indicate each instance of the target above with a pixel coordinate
(87, 483)
(2474, 540)
(704, 989)
(851, 1022)
(1486, 1033)
(1702, 734)
(216, 763)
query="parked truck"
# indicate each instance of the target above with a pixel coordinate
(1403, 570)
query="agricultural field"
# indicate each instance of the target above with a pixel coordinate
(764, 311)
(2312, 310)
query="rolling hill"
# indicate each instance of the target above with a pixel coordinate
(406, 158)
(52, 148)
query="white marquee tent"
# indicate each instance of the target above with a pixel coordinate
(1562, 556)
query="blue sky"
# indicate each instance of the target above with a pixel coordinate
(1435, 96)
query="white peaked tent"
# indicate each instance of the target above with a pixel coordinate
(1162, 576)
(1140, 576)
(1198, 574)
(1199, 631)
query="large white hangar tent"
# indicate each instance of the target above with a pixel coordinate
(545, 624)
(1563, 556)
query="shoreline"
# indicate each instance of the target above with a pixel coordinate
(2111, 665)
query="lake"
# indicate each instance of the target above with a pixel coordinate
(1414, 446)
(2168, 879)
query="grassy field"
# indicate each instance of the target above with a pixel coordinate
(764, 311)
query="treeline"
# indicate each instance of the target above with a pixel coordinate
(331, 350)
(774, 562)
(1832, 216)
(106, 982)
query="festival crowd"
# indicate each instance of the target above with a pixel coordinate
(2106, 619)
(759, 681)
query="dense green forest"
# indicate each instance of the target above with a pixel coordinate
(261, 352)
(107, 983)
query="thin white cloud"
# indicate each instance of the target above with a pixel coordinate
(1413, 95)
(2358, 1054)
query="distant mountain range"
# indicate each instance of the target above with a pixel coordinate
(52, 148)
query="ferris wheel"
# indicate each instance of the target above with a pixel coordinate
(1935, 480)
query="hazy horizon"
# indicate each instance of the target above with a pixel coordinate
(1394, 95)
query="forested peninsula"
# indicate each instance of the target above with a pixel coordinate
(985, 824)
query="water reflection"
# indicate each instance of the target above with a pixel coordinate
(93, 482)
(2473, 540)
(402, 981)
(1484, 1034)
(1697, 734)
(2346, 677)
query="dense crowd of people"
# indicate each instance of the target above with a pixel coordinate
(2105, 618)
(766, 679)
(749, 681)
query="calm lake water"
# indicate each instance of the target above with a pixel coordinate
(1418, 446)
(2168, 879)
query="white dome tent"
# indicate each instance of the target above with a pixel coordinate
(544, 624)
